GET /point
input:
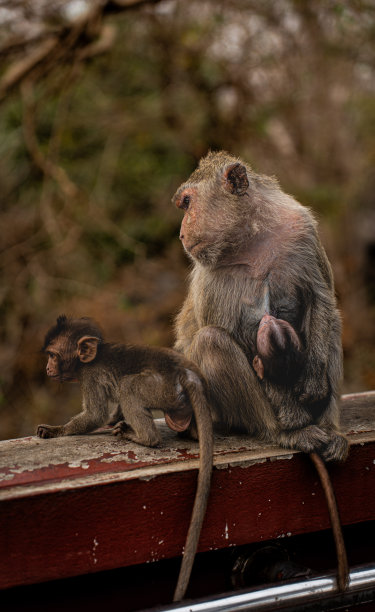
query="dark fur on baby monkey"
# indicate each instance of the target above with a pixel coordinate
(138, 379)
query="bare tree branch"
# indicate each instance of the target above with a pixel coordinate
(21, 69)
(63, 41)
(43, 163)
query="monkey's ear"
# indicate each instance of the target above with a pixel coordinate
(236, 181)
(87, 348)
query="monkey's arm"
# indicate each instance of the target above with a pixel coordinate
(312, 319)
(186, 326)
(94, 414)
(322, 368)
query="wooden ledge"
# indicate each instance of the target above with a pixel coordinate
(81, 504)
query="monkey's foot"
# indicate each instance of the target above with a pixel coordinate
(126, 431)
(48, 431)
(121, 428)
(336, 449)
(191, 433)
(329, 445)
(308, 439)
(145, 440)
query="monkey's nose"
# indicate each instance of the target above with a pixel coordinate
(181, 236)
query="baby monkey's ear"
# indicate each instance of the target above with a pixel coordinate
(87, 348)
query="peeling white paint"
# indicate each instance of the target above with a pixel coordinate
(94, 547)
(280, 457)
(4, 476)
(226, 531)
(32, 453)
(222, 466)
(118, 457)
(241, 463)
(79, 464)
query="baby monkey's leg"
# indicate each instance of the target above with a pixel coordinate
(137, 394)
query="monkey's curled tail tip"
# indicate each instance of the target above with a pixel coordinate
(342, 560)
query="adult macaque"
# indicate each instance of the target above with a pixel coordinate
(261, 302)
(137, 379)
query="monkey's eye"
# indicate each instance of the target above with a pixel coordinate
(184, 202)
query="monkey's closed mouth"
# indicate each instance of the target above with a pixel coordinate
(191, 248)
(62, 379)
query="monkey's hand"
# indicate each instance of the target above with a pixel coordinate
(49, 431)
(316, 394)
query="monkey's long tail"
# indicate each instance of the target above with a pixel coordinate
(204, 424)
(342, 560)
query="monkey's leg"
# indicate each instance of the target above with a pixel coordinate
(140, 426)
(342, 560)
(84, 422)
(138, 392)
(302, 428)
(337, 446)
(235, 394)
(115, 416)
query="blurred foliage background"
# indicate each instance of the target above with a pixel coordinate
(106, 107)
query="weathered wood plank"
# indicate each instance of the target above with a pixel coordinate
(81, 504)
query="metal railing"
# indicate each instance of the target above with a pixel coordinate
(294, 595)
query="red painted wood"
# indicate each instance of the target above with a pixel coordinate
(66, 532)
(102, 464)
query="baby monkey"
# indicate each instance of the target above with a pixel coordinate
(137, 379)
(279, 351)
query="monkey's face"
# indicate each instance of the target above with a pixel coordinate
(197, 232)
(69, 345)
(62, 361)
(213, 213)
